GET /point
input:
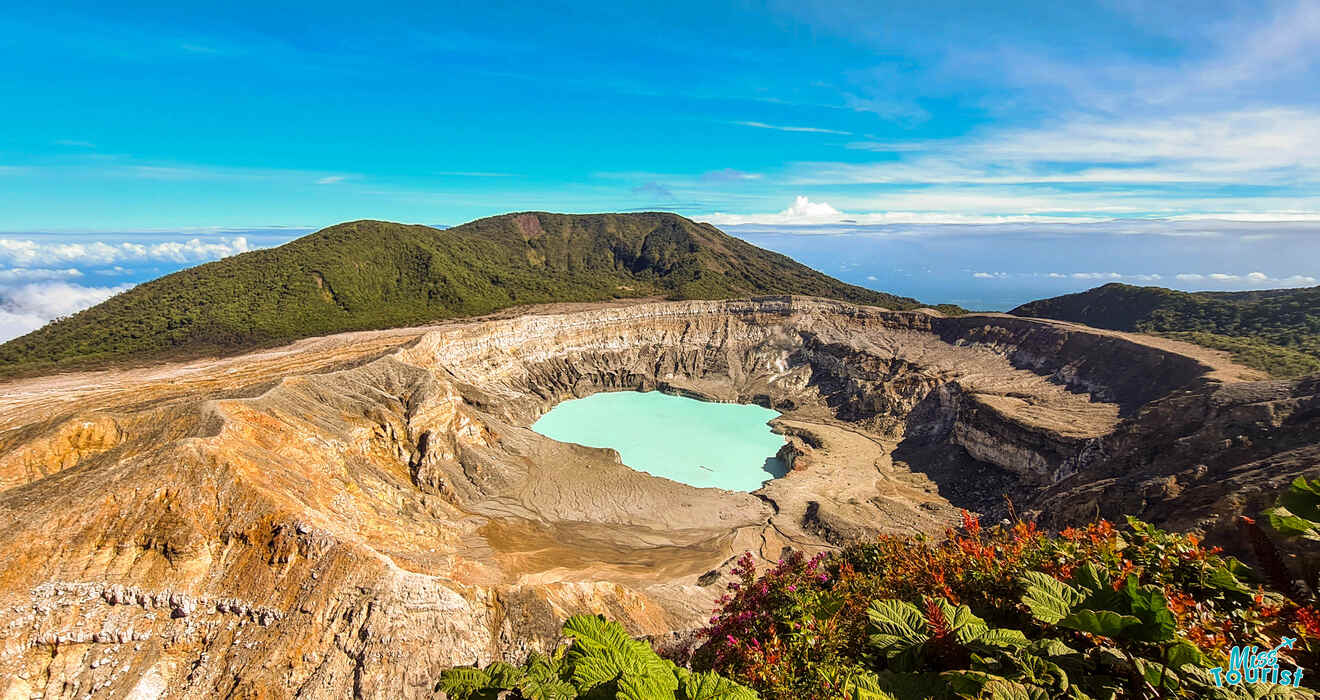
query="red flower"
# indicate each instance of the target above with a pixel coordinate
(1308, 619)
(971, 524)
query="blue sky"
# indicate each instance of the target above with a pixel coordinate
(951, 145)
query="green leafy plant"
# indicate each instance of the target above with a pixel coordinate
(1297, 514)
(601, 662)
(1005, 612)
(905, 637)
(1094, 612)
(1132, 618)
(1130, 647)
(1295, 518)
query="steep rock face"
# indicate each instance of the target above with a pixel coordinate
(57, 447)
(1196, 459)
(280, 524)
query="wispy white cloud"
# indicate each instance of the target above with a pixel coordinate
(196, 48)
(654, 190)
(804, 129)
(165, 172)
(473, 173)
(1228, 127)
(887, 146)
(1275, 145)
(23, 274)
(729, 175)
(118, 166)
(1253, 53)
(1250, 53)
(902, 111)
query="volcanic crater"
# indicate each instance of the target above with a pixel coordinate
(349, 515)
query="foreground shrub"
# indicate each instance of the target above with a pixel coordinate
(1295, 518)
(1093, 612)
(602, 662)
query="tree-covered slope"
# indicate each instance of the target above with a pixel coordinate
(1276, 330)
(374, 274)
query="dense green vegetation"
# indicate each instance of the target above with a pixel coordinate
(601, 662)
(1007, 612)
(373, 274)
(1277, 331)
(1010, 612)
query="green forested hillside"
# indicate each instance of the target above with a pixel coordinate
(1277, 331)
(374, 274)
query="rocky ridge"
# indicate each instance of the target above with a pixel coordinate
(350, 515)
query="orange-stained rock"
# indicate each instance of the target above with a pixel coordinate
(347, 516)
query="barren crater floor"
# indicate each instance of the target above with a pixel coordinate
(349, 515)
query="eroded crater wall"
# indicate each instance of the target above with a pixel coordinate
(398, 517)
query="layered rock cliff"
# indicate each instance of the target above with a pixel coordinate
(348, 516)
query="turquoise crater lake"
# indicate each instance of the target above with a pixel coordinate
(721, 445)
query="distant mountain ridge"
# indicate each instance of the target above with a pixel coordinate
(373, 274)
(1275, 330)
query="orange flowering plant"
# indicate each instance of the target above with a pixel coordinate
(987, 609)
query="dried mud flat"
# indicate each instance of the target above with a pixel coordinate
(348, 515)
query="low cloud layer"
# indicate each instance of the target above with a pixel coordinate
(1248, 280)
(27, 252)
(934, 208)
(44, 276)
(1251, 278)
(806, 212)
(999, 265)
(27, 307)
